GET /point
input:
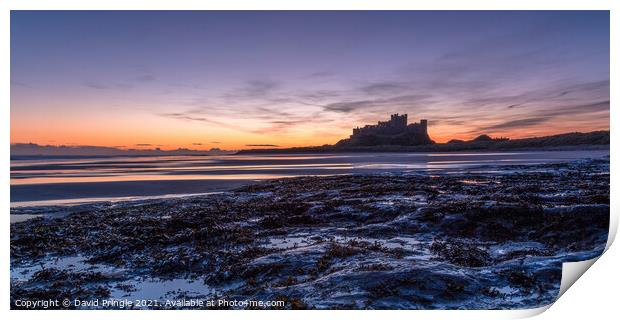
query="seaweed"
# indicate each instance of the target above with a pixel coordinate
(405, 241)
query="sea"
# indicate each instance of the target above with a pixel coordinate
(41, 181)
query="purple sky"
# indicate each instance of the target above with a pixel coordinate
(227, 79)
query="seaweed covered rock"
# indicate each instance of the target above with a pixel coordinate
(476, 240)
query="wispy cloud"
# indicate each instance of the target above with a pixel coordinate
(145, 78)
(190, 117)
(273, 113)
(520, 123)
(262, 145)
(384, 88)
(256, 88)
(393, 103)
(319, 95)
(101, 86)
(20, 84)
(577, 110)
(319, 74)
(95, 85)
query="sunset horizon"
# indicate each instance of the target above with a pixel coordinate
(220, 146)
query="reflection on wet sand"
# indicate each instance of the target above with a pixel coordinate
(85, 178)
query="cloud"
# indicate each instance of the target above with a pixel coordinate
(450, 122)
(594, 107)
(21, 84)
(192, 116)
(601, 87)
(188, 116)
(495, 63)
(348, 106)
(145, 78)
(143, 144)
(215, 142)
(94, 85)
(100, 86)
(320, 95)
(468, 103)
(272, 112)
(280, 125)
(553, 97)
(386, 104)
(517, 123)
(254, 89)
(197, 144)
(513, 100)
(547, 114)
(384, 88)
(262, 145)
(320, 74)
(274, 126)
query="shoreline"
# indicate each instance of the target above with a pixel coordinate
(564, 141)
(418, 149)
(465, 239)
(39, 183)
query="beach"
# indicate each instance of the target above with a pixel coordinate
(489, 235)
(57, 181)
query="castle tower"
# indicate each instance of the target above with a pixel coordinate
(398, 121)
(424, 125)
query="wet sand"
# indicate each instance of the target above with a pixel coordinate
(92, 179)
(85, 190)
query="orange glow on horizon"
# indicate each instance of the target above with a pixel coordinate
(135, 129)
(177, 138)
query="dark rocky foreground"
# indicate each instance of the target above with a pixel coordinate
(488, 239)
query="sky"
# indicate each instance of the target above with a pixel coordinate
(239, 80)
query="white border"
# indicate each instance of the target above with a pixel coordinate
(599, 293)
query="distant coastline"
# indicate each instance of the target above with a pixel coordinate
(566, 141)
(25, 151)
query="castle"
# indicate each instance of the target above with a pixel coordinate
(396, 131)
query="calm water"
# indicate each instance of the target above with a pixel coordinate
(60, 181)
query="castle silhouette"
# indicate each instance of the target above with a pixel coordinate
(395, 131)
